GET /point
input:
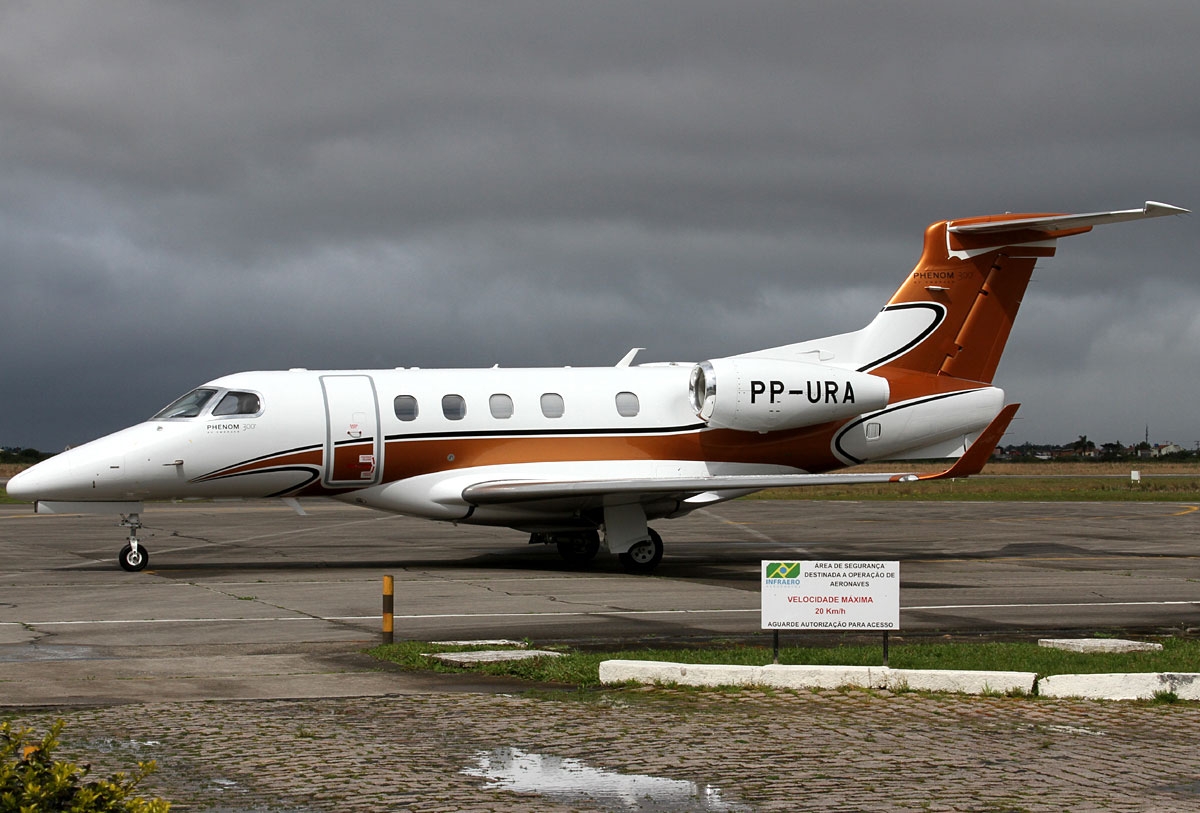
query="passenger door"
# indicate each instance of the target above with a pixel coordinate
(353, 446)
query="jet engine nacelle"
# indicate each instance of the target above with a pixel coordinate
(765, 395)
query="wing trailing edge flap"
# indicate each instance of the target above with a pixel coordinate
(500, 492)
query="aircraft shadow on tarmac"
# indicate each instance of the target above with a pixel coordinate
(736, 566)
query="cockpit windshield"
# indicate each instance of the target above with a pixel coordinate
(189, 406)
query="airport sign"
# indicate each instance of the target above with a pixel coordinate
(830, 595)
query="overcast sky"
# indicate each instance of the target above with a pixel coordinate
(193, 189)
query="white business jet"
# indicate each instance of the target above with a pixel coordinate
(583, 458)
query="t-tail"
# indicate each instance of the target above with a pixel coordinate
(953, 313)
(939, 339)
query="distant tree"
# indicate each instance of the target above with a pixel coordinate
(1113, 451)
(11, 454)
(1083, 446)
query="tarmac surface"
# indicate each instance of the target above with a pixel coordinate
(235, 660)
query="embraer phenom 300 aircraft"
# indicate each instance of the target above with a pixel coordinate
(585, 457)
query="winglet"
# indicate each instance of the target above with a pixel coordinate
(973, 460)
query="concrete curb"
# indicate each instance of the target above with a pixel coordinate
(1098, 645)
(1141, 686)
(1137, 686)
(816, 677)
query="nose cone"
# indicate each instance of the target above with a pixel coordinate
(97, 471)
(51, 479)
(24, 485)
(93, 471)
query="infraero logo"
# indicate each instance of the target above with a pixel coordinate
(783, 570)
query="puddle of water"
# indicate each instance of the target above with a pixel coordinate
(570, 780)
(24, 653)
(1181, 789)
(108, 745)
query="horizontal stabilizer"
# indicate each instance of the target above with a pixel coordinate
(1052, 224)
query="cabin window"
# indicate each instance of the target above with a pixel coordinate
(406, 407)
(501, 405)
(552, 405)
(238, 403)
(188, 406)
(454, 407)
(874, 431)
(628, 405)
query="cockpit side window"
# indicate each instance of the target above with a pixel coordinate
(189, 406)
(238, 403)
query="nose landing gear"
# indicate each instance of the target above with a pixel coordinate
(133, 557)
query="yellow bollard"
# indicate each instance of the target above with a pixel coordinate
(389, 592)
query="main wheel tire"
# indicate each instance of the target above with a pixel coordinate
(131, 561)
(577, 550)
(645, 555)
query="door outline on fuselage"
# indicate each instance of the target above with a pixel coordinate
(353, 441)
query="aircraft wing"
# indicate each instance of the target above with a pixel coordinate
(499, 492)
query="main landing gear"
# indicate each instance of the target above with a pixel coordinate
(643, 556)
(133, 557)
(579, 548)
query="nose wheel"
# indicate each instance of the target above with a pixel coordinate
(133, 557)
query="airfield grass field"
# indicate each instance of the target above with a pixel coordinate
(1161, 481)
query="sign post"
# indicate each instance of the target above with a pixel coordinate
(831, 595)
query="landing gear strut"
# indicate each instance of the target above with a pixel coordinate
(133, 557)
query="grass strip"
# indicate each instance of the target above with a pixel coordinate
(581, 668)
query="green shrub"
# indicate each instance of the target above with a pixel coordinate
(32, 780)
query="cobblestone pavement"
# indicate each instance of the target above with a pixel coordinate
(744, 750)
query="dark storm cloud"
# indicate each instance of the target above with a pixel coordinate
(193, 189)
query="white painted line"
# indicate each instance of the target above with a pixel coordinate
(116, 621)
(363, 617)
(799, 550)
(561, 614)
(1064, 604)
